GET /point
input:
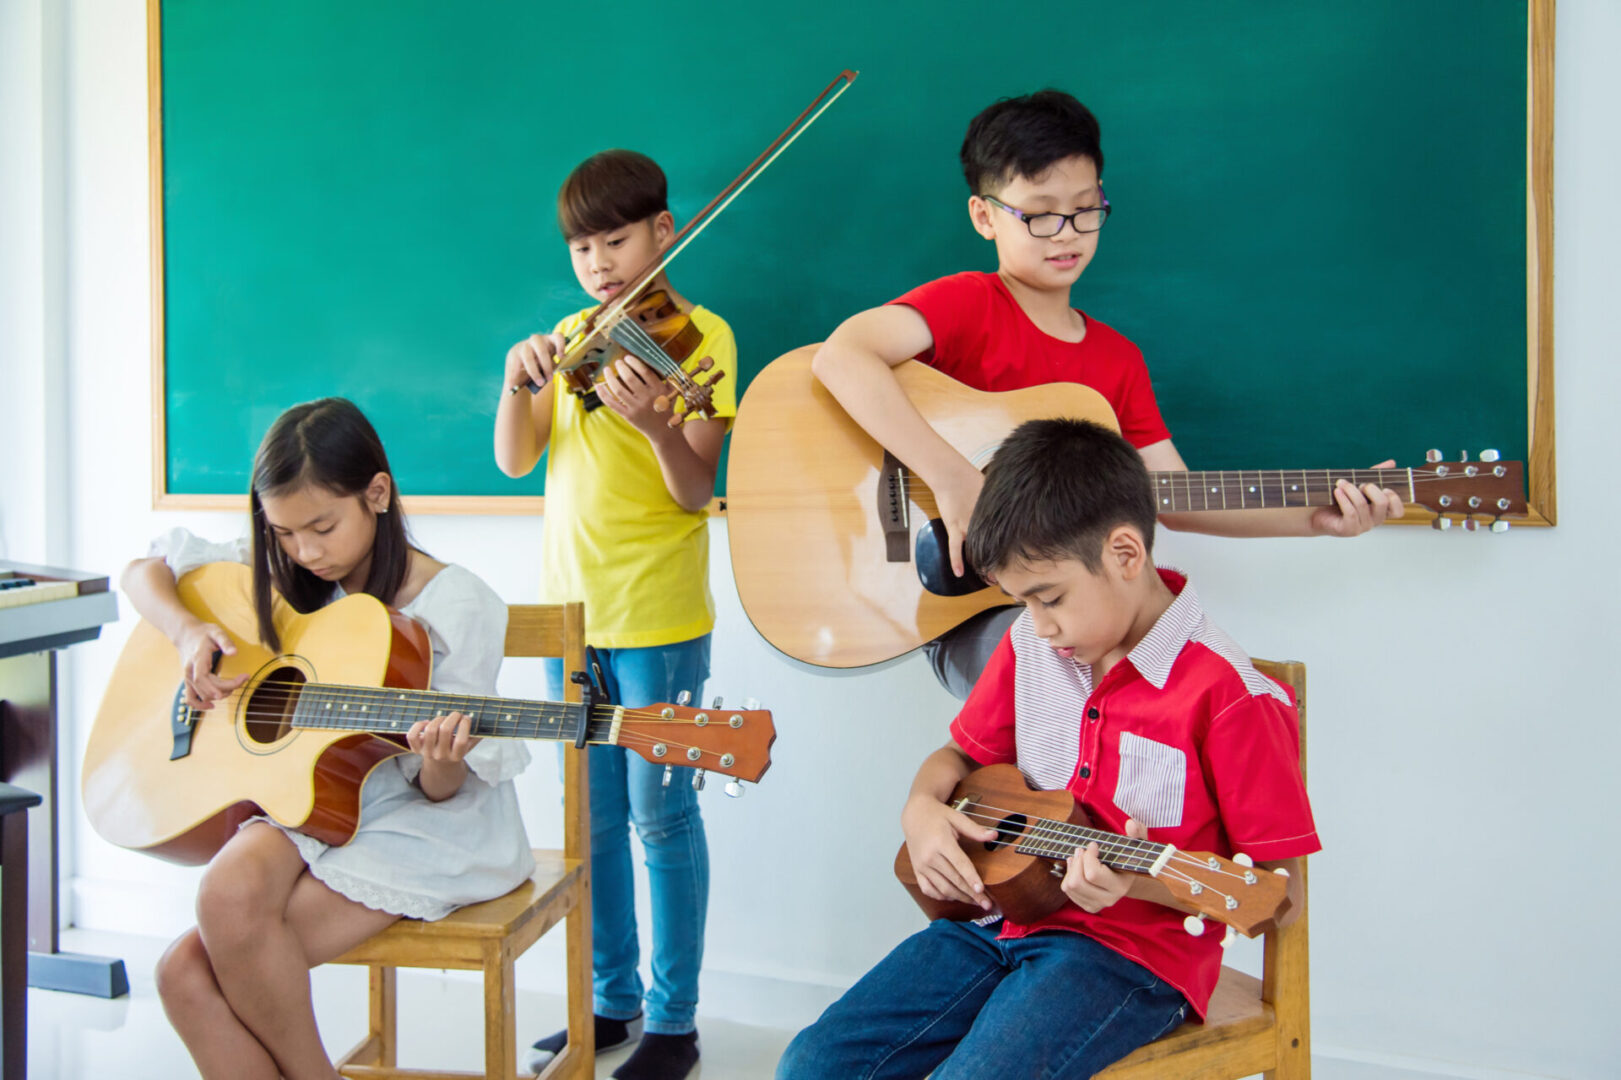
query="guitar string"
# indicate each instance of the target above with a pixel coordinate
(344, 692)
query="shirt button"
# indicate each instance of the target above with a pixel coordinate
(1091, 714)
(1085, 772)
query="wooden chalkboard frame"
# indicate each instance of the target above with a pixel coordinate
(1541, 474)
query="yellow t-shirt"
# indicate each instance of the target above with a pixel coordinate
(613, 536)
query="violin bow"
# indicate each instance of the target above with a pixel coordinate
(719, 203)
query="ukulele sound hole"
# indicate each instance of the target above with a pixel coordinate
(270, 708)
(1008, 830)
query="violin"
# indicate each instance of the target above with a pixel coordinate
(648, 324)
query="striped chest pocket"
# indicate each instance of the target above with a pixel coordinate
(1153, 781)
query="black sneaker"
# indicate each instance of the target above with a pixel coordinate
(661, 1057)
(611, 1034)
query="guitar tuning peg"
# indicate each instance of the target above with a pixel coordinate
(750, 704)
(1441, 523)
(1432, 456)
(1470, 524)
(734, 789)
(716, 704)
(684, 698)
(698, 779)
(1489, 455)
(1194, 925)
(1499, 526)
(669, 771)
(1463, 455)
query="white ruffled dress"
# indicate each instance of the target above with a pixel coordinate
(411, 856)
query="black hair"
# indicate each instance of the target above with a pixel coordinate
(609, 191)
(1056, 489)
(330, 443)
(1026, 136)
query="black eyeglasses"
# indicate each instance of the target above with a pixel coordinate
(1042, 226)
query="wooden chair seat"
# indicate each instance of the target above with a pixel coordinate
(492, 935)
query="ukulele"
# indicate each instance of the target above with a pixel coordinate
(297, 740)
(838, 553)
(1037, 831)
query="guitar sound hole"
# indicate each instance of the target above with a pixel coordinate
(1008, 831)
(269, 715)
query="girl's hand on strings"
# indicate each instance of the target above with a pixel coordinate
(1357, 509)
(933, 832)
(630, 388)
(1092, 885)
(446, 738)
(198, 645)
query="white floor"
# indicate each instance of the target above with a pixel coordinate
(441, 1024)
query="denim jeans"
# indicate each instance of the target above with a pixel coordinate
(955, 1000)
(626, 788)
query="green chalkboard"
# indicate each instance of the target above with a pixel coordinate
(1319, 236)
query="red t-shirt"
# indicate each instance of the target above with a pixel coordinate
(983, 339)
(1184, 734)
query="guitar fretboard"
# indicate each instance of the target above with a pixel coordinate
(388, 711)
(1262, 489)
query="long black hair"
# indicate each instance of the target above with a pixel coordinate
(329, 443)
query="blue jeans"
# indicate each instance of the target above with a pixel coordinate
(627, 788)
(954, 999)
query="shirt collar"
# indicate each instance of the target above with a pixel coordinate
(1155, 654)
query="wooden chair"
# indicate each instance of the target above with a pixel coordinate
(1254, 1025)
(492, 935)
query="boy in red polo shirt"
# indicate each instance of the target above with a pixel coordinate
(1112, 684)
(1034, 167)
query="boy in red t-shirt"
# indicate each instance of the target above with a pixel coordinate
(1034, 167)
(1114, 686)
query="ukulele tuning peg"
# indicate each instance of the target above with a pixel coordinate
(1228, 937)
(733, 789)
(1281, 872)
(1432, 456)
(1499, 526)
(1489, 455)
(684, 698)
(1194, 925)
(1243, 860)
(698, 779)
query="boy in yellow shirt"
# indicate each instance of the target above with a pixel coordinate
(626, 532)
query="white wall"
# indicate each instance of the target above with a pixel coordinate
(1461, 727)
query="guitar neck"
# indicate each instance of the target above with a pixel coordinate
(390, 711)
(1265, 489)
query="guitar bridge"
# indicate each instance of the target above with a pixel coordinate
(894, 511)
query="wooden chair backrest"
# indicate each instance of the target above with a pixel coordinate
(558, 630)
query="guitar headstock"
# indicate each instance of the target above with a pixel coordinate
(1465, 491)
(697, 394)
(735, 742)
(1248, 899)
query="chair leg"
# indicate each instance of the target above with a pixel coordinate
(385, 1014)
(500, 1020)
(581, 1028)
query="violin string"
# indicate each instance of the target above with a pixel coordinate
(646, 348)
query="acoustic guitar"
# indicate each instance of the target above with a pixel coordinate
(1037, 831)
(838, 553)
(297, 740)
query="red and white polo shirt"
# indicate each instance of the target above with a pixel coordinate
(1184, 734)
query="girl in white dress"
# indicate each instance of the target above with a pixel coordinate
(439, 827)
